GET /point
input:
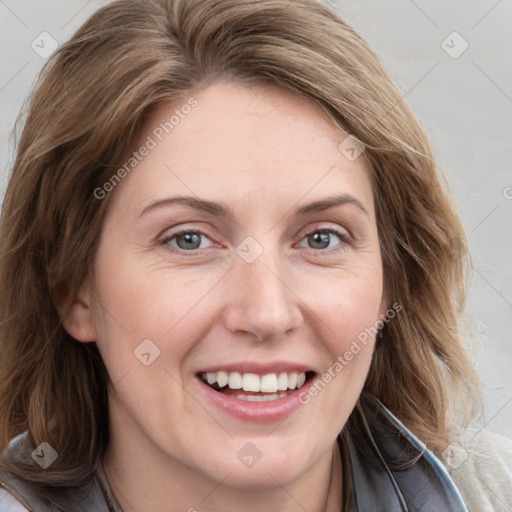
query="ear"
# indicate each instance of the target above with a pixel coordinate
(384, 306)
(77, 316)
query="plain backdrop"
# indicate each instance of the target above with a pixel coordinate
(452, 63)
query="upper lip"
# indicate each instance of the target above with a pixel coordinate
(258, 368)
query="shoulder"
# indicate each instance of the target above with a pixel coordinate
(9, 503)
(12, 490)
(20, 492)
(480, 464)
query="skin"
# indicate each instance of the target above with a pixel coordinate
(263, 151)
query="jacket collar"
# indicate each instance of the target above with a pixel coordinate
(390, 469)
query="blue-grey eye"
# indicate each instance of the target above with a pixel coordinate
(322, 239)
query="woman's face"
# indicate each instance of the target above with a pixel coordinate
(250, 279)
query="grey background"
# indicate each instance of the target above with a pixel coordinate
(464, 103)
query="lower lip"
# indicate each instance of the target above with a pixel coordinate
(256, 412)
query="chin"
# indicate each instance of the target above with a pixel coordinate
(250, 468)
(262, 476)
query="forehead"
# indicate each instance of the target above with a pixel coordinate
(242, 142)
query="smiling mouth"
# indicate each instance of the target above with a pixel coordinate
(251, 387)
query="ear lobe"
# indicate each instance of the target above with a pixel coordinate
(384, 306)
(77, 317)
(384, 302)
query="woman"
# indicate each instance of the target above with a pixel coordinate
(229, 276)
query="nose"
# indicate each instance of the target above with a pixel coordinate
(260, 300)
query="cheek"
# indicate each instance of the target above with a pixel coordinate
(346, 316)
(347, 306)
(130, 299)
(140, 302)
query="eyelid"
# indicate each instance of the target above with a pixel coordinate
(324, 227)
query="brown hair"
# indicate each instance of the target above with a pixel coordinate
(86, 114)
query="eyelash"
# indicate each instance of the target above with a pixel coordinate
(343, 236)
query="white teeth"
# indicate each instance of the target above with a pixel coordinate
(292, 380)
(270, 383)
(251, 382)
(282, 382)
(235, 380)
(222, 379)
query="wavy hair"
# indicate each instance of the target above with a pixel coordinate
(86, 114)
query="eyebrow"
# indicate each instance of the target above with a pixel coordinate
(330, 202)
(221, 209)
